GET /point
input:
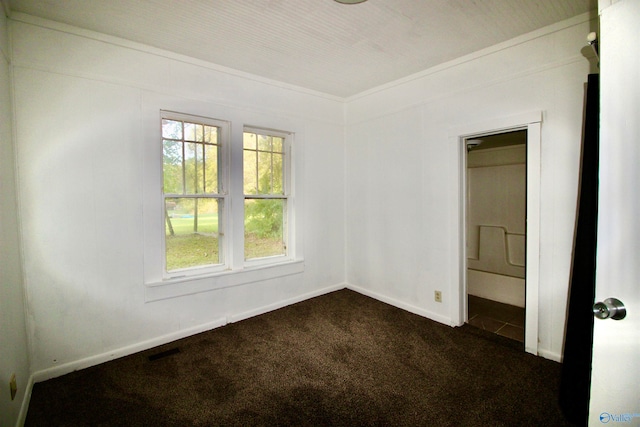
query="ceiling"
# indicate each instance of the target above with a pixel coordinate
(321, 45)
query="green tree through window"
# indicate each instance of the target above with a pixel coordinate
(265, 196)
(207, 218)
(192, 199)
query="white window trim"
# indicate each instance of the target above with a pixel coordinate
(289, 229)
(238, 272)
(223, 182)
(182, 286)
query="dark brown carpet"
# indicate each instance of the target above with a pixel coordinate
(341, 359)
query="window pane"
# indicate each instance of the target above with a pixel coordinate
(171, 129)
(199, 133)
(172, 166)
(211, 134)
(264, 173)
(191, 229)
(264, 143)
(278, 176)
(278, 144)
(191, 173)
(211, 169)
(250, 172)
(263, 228)
(189, 131)
(200, 168)
(249, 140)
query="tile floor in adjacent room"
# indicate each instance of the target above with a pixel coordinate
(502, 319)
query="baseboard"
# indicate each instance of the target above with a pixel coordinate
(49, 373)
(26, 399)
(546, 354)
(403, 305)
(267, 308)
(56, 371)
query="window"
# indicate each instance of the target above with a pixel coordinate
(265, 193)
(193, 191)
(218, 218)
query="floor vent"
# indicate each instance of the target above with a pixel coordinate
(164, 354)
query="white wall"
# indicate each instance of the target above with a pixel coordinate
(83, 105)
(13, 339)
(403, 171)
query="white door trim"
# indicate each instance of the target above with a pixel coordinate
(531, 122)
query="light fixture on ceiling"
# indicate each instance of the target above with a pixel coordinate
(351, 1)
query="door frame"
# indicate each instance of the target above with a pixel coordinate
(531, 122)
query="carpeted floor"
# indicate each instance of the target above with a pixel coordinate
(341, 359)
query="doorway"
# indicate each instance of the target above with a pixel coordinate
(532, 123)
(496, 199)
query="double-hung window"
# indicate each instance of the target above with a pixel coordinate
(266, 193)
(194, 191)
(214, 212)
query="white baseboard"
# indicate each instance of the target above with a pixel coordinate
(26, 399)
(66, 368)
(267, 308)
(57, 371)
(550, 355)
(397, 303)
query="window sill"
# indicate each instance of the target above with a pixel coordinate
(172, 288)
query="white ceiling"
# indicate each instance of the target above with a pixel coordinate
(321, 45)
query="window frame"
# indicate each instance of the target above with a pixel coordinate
(223, 195)
(287, 196)
(158, 286)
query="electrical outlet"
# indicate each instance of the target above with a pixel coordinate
(438, 296)
(13, 386)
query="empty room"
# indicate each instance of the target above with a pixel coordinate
(268, 212)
